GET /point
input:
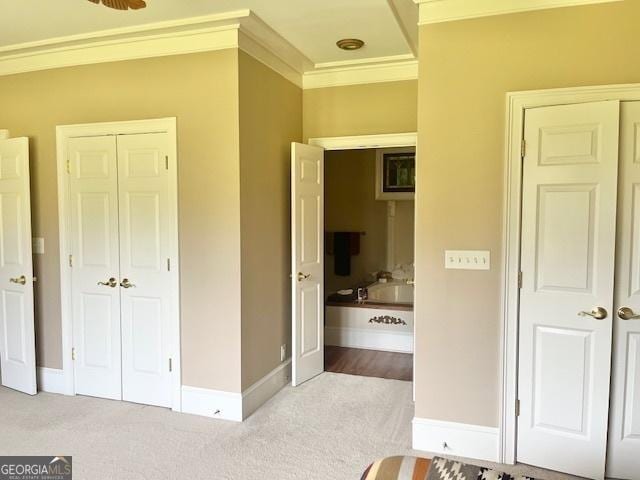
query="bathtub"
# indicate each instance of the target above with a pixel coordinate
(391, 293)
(383, 322)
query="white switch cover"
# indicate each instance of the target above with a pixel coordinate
(467, 259)
(37, 245)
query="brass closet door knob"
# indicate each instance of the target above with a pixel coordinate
(599, 313)
(22, 280)
(625, 313)
(112, 282)
(126, 283)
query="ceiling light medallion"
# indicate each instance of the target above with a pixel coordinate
(350, 44)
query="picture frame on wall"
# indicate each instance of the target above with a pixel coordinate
(396, 173)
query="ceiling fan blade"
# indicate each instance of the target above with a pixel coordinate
(117, 4)
(137, 4)
(122, 4)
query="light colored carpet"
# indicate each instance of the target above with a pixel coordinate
(330, 428)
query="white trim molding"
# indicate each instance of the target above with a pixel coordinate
(240, 29)
(212, 403)
(260, 392)
(437, 11)
(359, 142)
(387, 70)
(232, 405)
(51, 380)
(457, 439)
(516, 104)
(369, 339)
(63, 134)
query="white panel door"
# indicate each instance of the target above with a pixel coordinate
(144, 265)
(307, 237)
(93, 186)
(623, 458)
(567, 261)
(17, 337)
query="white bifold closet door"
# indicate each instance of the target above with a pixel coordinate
(93, 185)
(570, 175)
(120, 270)
(623, 457)
(144, 252)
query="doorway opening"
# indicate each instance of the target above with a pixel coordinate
(352, 256)
(368, 261)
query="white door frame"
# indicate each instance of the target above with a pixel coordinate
(361, 142)
(63, 133)
(517, 103)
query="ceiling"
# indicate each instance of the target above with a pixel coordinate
(313, 26)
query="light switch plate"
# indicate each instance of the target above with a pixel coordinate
(467, 259)
(37, 245)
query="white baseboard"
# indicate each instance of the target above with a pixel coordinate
(235, 406)
(457, 439)
(212, 403)
(265, 388)
(51, 380)
(369, 339)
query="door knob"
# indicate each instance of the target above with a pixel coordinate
(302, 276)
(599, 313)
(625, 313)
(112, 282)
(126, 283)
(22, 280)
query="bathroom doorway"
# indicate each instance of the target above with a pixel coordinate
(368, 261)
(352, 256)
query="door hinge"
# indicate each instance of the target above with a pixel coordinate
(168, 264)
(517, 408)
(166, 162)
(73, 354)
(68, 166)
(71, 260)
(170, 365)
(519, 279)
(523, 148)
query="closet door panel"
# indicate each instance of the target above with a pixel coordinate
(623, 458)
(567, 260)
(93, 181)
(144, 252)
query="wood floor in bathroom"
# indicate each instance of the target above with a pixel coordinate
(368, 363)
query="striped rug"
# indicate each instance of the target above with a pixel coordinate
(398, 468)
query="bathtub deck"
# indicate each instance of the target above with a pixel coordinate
(368, 363)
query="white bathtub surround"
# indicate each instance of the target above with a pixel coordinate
(399, 292)
(384, 322)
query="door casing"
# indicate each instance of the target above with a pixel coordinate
(517, 103)
(63, 133)
(360, 142)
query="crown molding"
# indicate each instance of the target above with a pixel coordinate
(437, 11)
(240, 29)
(381, 71)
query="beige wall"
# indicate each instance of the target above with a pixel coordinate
(201, 90)
(361, 109)
(270, 119)
(351, 206)
(466, 67)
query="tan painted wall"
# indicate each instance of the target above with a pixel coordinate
(361, 109)
(350, 206)
(201, 90)
(270, 119)
(466, 67)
